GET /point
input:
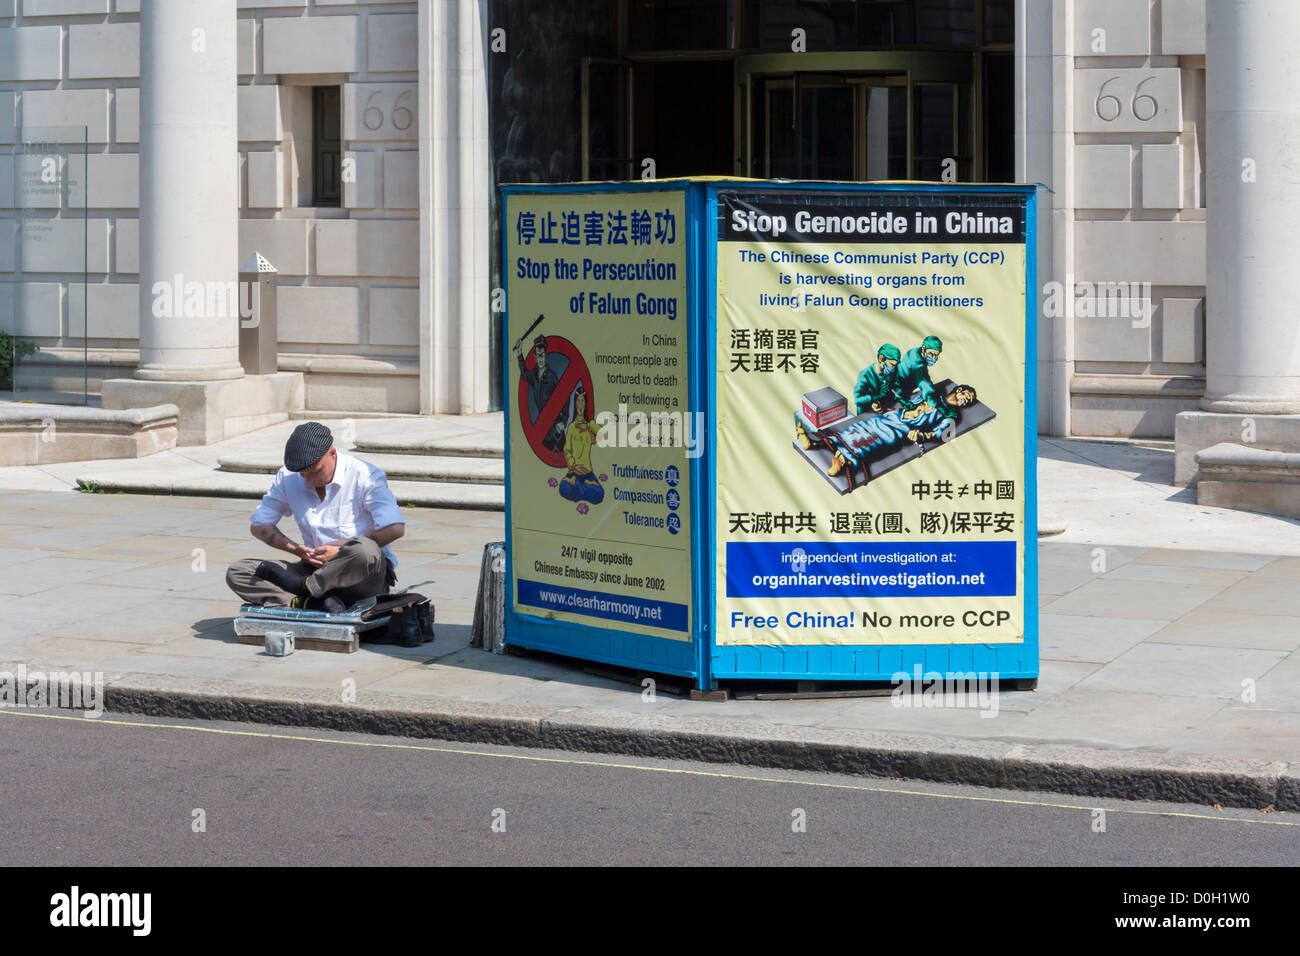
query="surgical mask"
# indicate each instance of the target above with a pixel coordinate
(931, 359)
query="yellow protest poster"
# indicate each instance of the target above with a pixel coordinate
(600, 429)
(870, 394)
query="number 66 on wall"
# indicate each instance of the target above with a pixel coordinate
(1128, 101)
(379, 111)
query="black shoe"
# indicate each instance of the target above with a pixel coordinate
(333, 604)
(424, 614)
(295, 582)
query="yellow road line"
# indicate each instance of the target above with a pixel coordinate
(634, 766)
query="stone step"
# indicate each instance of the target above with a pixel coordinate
(1249, 478)
(423, 468)
(32, 433)
(326, 415)
(424, 494)
(469, 446)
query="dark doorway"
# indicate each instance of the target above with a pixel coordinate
(326, 139)
(683, 116)
(999, 118)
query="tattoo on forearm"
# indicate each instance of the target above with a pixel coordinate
(272, 536)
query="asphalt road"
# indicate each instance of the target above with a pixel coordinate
(126, 790)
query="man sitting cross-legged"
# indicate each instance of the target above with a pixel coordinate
(347, 517)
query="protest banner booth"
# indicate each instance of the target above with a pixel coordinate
(772, 430)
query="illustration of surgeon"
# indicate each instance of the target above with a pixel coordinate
(925, 421)
(913, 382)
(876, 382)
(580, 484)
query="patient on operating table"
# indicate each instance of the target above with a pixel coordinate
(852, 444)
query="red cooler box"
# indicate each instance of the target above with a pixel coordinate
(824, 406)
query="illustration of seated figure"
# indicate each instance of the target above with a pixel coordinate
(580, 484)
(878, 434)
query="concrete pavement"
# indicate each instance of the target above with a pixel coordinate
(1170, 644)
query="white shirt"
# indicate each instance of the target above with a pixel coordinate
(356, 502)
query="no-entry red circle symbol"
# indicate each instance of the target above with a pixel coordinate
(570, 370)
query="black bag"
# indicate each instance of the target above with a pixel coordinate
(407, 615)
(404, 627)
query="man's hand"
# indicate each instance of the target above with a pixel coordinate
(318, 556)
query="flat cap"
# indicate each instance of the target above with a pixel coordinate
(306, 446)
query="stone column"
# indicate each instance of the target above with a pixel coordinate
(1243, 450)
(1252, 335)
(189, 191)
(1044, 145)
(189, 233)
(455, 179)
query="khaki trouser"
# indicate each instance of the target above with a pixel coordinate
(359, 570)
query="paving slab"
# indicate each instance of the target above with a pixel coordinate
(880, 713)
(1107, 597)
(1184, 670)
(1070, 637)
(1268, 594)
(1172, 574)
(1095, 717)
(1279, 689)
(1246, 732)
(11, 556)
(78, 602)
(153, 621)
(91, 534)
(47, 573)
(1218, 627)
(1210, 559)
